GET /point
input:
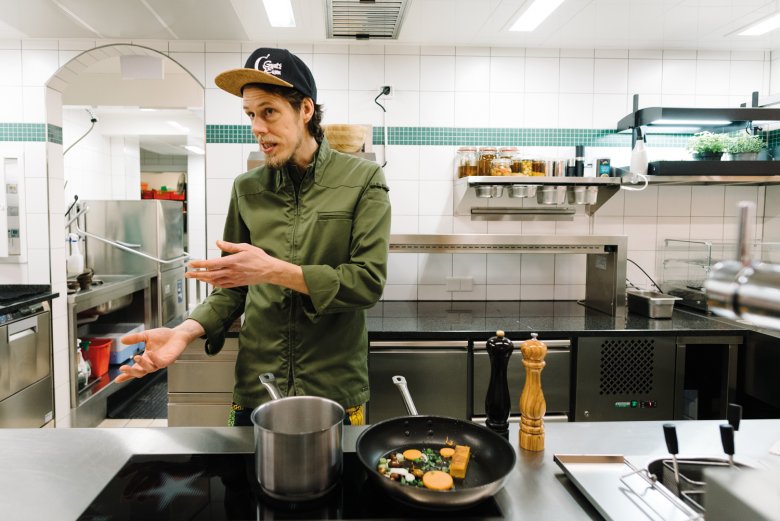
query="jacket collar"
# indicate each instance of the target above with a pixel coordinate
(321, 158)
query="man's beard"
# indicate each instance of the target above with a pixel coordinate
(280, 161)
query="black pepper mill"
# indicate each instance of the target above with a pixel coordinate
(497, 402)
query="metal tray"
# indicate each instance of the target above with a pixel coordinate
(651, 303)
(619, 490)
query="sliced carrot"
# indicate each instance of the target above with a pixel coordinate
(446, 452)
(412, 454)
(437, 480)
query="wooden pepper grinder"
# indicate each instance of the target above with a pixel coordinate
(497, 401)
(532, 404)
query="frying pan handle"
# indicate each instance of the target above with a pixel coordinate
(269, 382)
(400, 382)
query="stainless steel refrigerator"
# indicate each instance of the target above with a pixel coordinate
(151, 227)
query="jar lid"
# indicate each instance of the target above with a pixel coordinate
(487, 149)
(467, 149)
(507, 149)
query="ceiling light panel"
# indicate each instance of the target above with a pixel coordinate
(280, 13)
(536, 13)
(764, 26)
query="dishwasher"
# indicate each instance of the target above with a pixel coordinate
(26, 388)
(437, 373)
(556, 380)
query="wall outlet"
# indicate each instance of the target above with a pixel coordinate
(460, 284)
(389, 88)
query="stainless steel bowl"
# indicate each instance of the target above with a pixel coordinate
(583, 194)
(551, 195)
(520, 191)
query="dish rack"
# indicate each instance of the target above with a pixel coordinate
(686, 264)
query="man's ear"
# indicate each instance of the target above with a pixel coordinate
(307, 109)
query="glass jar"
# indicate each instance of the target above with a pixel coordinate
(516, 165)
(466, 161)
(507, 152)
(486, 156)
(500, 166)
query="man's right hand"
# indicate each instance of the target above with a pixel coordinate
(163, 347)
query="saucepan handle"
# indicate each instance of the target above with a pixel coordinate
(400, 382)
(269, 382)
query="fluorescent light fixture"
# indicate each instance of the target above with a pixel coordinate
(535, 14)
(691, 122)
(178, 126)
(280, 13)
(195, 149)
(764, 26)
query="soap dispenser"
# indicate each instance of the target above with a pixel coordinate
(75, 262)
(639, 153)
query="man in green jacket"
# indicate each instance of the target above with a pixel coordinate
(304, 253)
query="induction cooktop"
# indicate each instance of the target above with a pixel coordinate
(223, 487)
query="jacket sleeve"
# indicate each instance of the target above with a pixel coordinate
(224, 305)
(358, 283)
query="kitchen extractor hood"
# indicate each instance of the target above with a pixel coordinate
(365, 19)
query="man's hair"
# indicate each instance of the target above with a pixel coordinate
(295, 99)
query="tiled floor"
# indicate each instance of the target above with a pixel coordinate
(115, 423)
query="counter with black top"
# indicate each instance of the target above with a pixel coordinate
(16, 297)
(478, 320)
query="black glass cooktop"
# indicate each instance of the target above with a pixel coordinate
(223, 487)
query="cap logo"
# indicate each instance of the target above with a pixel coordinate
(268, 66)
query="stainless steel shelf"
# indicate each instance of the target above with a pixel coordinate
(487, 243)
(713, 180)
(538, 180)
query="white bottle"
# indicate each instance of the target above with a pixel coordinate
(75, 262)
(639, 154)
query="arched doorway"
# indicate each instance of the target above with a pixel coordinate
(126, 125)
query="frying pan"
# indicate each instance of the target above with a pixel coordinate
(492, 457)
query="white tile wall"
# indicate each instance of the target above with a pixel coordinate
(434, 86)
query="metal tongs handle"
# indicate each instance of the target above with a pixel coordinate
(400, 382)
(670, 435)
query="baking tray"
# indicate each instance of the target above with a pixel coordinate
(620, 490)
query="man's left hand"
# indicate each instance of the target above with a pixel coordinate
(248, 265)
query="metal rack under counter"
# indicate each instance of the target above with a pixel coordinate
(88, 404)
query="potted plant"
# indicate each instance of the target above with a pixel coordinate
(707, 146)
(744, 147)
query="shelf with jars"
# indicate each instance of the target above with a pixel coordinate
(551, 195)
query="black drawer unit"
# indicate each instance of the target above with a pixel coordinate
(556, 377)
(436, 373)
(625, 378)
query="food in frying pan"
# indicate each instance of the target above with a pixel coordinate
(460, 461)
(432, 468)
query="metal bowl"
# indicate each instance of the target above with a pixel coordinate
(487, 191)
(551, 195)
(521, 191)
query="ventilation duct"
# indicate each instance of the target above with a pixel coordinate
(365, 19)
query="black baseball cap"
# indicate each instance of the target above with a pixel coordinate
(272, 66)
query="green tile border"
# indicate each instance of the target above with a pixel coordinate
(30, 132)
(22, 132)
(461, 136)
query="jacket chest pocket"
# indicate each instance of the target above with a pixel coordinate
(333, 235)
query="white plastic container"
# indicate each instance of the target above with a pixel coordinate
(75, 261)
(119, 351)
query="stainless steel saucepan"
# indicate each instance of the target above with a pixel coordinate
(298, 454)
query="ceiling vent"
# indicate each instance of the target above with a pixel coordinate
(365, 19)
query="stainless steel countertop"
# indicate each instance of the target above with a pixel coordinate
(56, 473)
